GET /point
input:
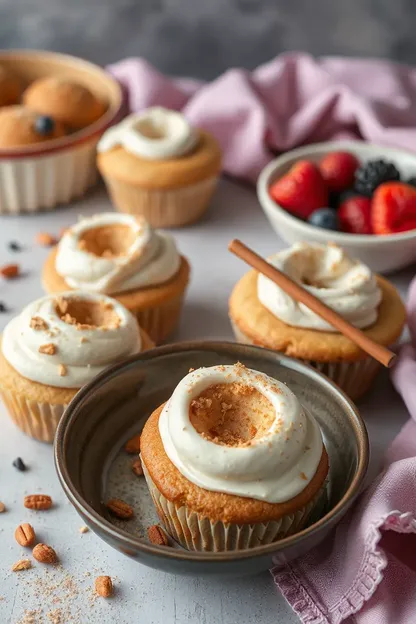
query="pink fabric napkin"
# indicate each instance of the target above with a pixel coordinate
(366, 572)
(292, 100)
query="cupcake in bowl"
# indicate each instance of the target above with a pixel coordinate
(55, 346)
(262, 313)
(157, 165)
(233, 460)
(122, 256)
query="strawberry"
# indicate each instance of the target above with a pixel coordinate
(338, 170)
(354, 215)
(302, 190)
(393, 208)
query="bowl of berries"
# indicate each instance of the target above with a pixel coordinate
(358, 195)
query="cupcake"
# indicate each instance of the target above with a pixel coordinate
(262, 313)
(55, 346)
(20, 126)
(10, 87)
(233, 460)
(157, 165)
(65, 100)
(123, 256)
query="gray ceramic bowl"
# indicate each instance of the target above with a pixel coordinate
(116, 403)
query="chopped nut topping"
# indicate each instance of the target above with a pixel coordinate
(45, 239)
(62, 370)
(303, 476)
(38, 323)
(62, 304)
(48, 349)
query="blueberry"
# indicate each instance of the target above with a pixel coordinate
(44, 125)
(19, 464)
(14, 246)
(325, 218)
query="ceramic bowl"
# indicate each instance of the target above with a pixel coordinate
(116, 404)
(383, 254)
(40, 176)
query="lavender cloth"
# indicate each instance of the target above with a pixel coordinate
(366, 572)
(292, 100)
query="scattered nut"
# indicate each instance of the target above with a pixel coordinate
(2, 507)
(157, 535)
(137, 467)
(39, 502)
(44, 554)
(47, 349)
(25, 535)
(133, 445)
(84, 529)
(104, 586)
(9, 271)
(23, 564)
(120, 509)
(45, 239)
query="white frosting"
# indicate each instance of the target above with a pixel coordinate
(155, 134)
(83, 352)
(151, 259)
(273, 468)
(345, 285)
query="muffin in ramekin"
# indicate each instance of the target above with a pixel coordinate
(233, 460)
(20, 126)
(263, 314)
(55, 346)
(65, 100)
(156, 165)
(122, 256)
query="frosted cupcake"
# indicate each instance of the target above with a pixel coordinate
(157, 165)
(263, 314)
(233, 460)
(122, 256)
(54, 347)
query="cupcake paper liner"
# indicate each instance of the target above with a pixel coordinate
(160, 322)
(39, 183)
(196, 532)
(166, 207)
(37, 420)
(354, 378)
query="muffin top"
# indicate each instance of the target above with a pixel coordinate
(21, 126)
(64, 341)
(115, 253)
(70, 102)
(10, 87)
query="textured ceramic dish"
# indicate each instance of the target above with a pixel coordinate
(116, 404)
(40, 176)
(383, 254)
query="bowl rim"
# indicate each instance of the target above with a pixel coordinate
(128, 540)
(80, 136)
(268, 172)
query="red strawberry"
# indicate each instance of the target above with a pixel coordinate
(393, 208)
(355, 215)
(302, 190)
(338, 169)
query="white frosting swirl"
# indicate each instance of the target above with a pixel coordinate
(345, 285)
(273, 468)
(83, 353)
(155, 134)
(151, 259)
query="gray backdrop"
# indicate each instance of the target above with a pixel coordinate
(203, 37)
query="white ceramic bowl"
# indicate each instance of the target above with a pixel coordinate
(383, 254)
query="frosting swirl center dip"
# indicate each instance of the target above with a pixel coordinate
(155, 134)
(66, 340)
(114, 253)
(345, 285)
(234, 430)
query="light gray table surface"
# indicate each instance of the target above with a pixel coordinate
(143, 595)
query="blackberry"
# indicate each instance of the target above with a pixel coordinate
(370, 175)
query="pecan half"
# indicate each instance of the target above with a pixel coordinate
(39, 502)
(44, 554)
(104, 586)
(137, 467)
(24, 534)
(9, 271)
(133, 445)
(120, 509)
(157, 535)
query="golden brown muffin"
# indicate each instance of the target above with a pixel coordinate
(217, 506)
(70, 102)
(10, 87)
(20, 126)
(157, 308)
